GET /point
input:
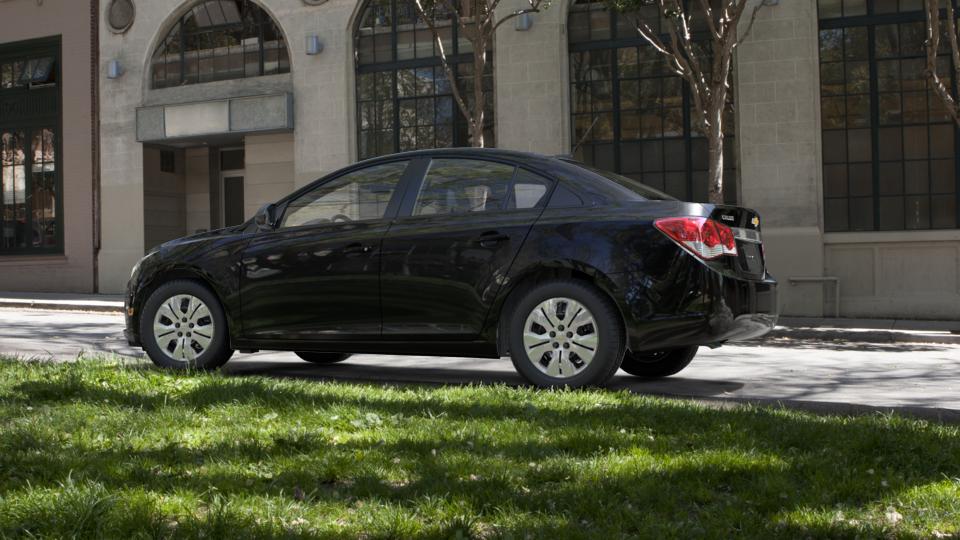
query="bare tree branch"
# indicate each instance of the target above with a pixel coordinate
(753, 19)
(933, 48)
(451, 77)
(708, 84)
(708, 14)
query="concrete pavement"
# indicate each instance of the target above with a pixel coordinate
(836, 376)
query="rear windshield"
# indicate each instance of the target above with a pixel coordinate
(621, 186)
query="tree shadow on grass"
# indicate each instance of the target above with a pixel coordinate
(624, 465)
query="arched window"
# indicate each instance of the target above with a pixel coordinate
(404, 100)
(630, 114)
(218, 40)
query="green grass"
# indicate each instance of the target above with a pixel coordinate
(106, 449)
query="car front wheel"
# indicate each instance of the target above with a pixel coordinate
(658, 363)
(183, 326)
(323, 358)
(566, 333)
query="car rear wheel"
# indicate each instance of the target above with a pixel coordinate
(183, 326)
(658, 363)
(566, 333)
(323, 358)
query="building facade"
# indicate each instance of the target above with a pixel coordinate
(48, 152)
(210, 108)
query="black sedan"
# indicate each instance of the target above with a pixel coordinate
(571, 271)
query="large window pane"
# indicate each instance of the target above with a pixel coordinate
(13, 174)
(889, 147)
(224, 39)
(648, 128)
(420, 97)
(44, 189)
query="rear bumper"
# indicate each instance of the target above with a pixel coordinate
(706, 307)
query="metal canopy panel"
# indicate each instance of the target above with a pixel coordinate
(234, 116)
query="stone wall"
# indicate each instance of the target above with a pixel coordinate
(778, 133)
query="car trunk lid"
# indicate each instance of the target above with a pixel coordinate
(745, 224)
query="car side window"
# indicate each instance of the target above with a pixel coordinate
(356, 196)
(460, 186)
(528, 190)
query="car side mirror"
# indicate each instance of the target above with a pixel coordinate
(266, 218)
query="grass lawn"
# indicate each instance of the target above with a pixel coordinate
(106, 449)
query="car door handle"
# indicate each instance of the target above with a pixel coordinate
(491, 238)
(356, 249)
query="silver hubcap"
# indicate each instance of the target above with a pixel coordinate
(561, 337)
(183, 327)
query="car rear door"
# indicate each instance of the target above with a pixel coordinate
(316, 277)
(450, 249)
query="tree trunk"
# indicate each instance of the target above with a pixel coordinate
(715, 151)
(476, 122)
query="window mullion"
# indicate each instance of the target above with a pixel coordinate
(615, 95)
(28, 186)
(874, 123)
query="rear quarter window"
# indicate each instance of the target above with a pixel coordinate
(612, 186)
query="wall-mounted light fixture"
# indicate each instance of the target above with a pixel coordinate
(524, 22)
(314, 46)
(114, 69)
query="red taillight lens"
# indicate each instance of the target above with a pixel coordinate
(705, 238)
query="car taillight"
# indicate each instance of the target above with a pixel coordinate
(705, 238)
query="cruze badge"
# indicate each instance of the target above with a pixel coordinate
(755, 221)
(727, 218)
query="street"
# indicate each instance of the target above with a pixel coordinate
(821, 375)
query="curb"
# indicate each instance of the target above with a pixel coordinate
(863, 336)
(97, 307)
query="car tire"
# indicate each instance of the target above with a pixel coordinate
(323, 358)
(551, 354)
(658, 363)
(198, 340)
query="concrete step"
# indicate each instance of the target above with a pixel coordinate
(867, 330)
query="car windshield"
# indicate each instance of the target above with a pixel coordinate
(625, 186)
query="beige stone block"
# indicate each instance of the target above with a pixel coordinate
(795, 252)
(269, 151)
(778, 112)
(270, 173)
(900, 275)
(801, 91)
(791, 49)
(758, 134)
(778, 70)
(757, 92)
(855, 266)
(773, 29)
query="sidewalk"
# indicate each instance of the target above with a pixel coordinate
(790, 328)
(111, 303)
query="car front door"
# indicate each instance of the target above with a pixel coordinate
(451, 247)
(316, 276)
